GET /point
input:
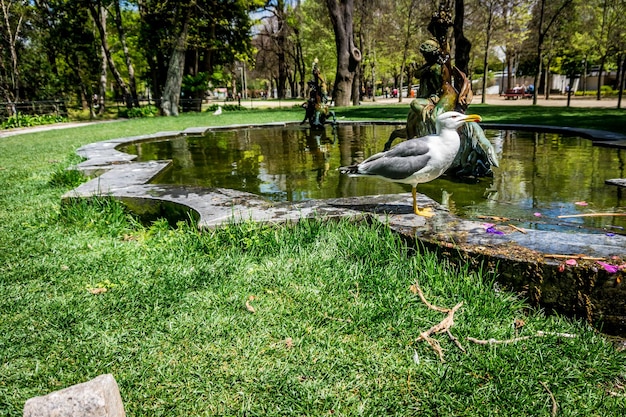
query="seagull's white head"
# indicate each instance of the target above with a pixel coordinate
(452, 120)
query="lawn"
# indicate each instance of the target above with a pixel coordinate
(314, 318)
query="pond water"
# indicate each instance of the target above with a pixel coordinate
(541, 175)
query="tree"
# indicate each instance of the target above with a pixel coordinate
(318, 42)
(276, 32)
(408, 31)
(462, 44)
(63, 53)
(175, 68)
(547, 19)
(99, 15)
(189, 37)
(13, 16)
(489, 7)
(348, 55)
(127, 59)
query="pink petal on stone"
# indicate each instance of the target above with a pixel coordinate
(571, 262)
(611, 269)
(581, 203)
(537, 214)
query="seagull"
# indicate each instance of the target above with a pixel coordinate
(418, 160)
(218, 111)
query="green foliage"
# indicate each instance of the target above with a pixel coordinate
(105, 216)
(193, 84)
(27, 120)
(225, 107)
(607, 90)
(137, 112)
(66, 178)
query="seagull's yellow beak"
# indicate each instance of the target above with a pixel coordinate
(473, 118)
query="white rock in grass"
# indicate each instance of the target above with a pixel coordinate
(99, 397)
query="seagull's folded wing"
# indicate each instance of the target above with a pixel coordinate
(400, 162)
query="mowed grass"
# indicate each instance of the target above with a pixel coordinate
(314, 318)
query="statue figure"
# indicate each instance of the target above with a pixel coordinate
(317, 109)
(443, 87)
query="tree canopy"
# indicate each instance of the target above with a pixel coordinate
(127, 50)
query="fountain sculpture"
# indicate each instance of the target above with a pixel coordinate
(317, 108)
(443, 87)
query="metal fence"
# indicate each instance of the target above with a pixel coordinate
(45, 107)
(60, 108)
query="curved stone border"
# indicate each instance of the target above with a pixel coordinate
(517, 257)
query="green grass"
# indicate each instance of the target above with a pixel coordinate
(334, 328)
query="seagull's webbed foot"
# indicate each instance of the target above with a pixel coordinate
(425, 212)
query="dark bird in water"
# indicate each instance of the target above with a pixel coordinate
(418, 160)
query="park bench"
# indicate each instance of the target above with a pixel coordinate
(512, 94)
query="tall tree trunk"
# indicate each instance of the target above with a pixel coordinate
(348, 56)
(173, 84)
(299, 63)
(103, 84)
(12, 35)
(620, 84)
(541, 38)
(409, 26)
(99, 15)
(483, 99)
(600, 78)
(462, 44)
(129, 65)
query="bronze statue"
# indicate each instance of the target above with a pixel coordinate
(443, 87)
(317, 109)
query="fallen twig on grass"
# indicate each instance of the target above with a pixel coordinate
(442, 327)
(555, 407)
(518, 339)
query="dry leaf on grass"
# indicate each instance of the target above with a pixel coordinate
(97, 291)
(289, 343)
(249, 306)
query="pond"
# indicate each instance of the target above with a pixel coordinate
(541, 175)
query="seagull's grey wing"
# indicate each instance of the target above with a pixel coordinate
(394, 167)
(411, 147)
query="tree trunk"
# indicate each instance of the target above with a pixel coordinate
(620, 80)
(12, 35)
(600, 78)
(299, 62)
(548, 81)
(99, 16)
(348, 56)
(483, 98)
(409, 26)
(462, 44)
(103, 84)
(541, 38)
(129, 65)
(539, 51)
(171, 91)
